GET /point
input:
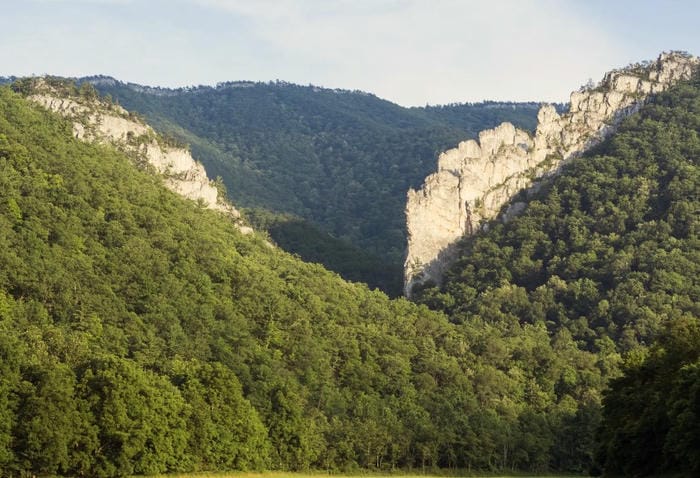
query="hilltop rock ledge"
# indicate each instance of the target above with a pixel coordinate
(97, 120)
(475, 180)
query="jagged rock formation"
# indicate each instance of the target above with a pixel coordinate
(475, 180)
(98, 120)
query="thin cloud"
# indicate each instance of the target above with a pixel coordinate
(411, 51)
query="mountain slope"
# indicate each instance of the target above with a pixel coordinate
(97, 120)
(144, 312)
(143, 333)
(342, 160)
(606, 254)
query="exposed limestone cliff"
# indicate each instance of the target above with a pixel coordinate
(98, 120)
(475, 180)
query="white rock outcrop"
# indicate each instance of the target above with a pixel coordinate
(100, 121)
(475, 180)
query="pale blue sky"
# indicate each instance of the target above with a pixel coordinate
(411, 52)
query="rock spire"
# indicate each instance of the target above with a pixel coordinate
(475, 180)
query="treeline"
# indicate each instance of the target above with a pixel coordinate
(474, 117)
(341, 160)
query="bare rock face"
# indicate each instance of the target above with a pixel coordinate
(475, 180)
(100, 121)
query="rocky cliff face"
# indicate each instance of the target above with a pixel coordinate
(98, 120)
(475, 180)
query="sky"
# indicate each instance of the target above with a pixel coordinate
(411, 52)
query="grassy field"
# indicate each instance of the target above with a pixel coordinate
(417, 474)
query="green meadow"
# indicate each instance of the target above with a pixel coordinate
(402, 474)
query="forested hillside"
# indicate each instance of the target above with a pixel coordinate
(607, 255)
(141, 333)
(342, 160)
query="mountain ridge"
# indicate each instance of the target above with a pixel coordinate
(108, 80)
(474, 180)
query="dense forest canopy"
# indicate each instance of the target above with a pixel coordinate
(651, 415)
(141, 333)
(342, 160)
